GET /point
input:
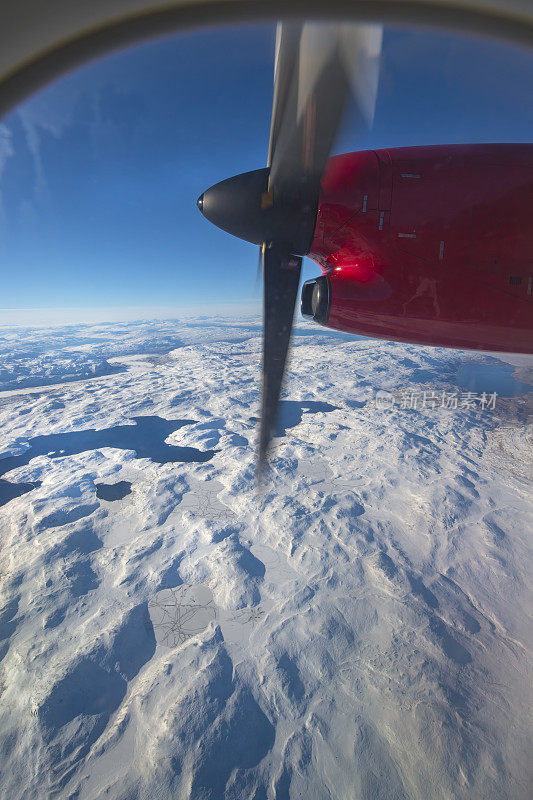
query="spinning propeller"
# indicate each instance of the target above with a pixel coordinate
(316, 67)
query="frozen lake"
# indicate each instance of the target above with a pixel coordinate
(491, 377)
(146, 437)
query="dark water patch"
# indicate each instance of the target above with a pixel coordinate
(113, 491)
(291, 413)
(8, 490)
(491, 376)
(146, 437)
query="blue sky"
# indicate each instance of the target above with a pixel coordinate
(99, 173)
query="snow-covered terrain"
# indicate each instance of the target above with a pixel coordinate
(361, 629)
(44, 356)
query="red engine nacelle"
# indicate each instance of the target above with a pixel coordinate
(432, 245)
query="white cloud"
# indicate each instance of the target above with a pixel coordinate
(65, 316)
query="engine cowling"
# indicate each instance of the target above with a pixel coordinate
(316, 299)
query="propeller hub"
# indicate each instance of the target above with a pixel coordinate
(245, 207)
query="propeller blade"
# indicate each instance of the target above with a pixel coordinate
(259, 270)
(281, 277)
(316, 66)
(285, 65)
